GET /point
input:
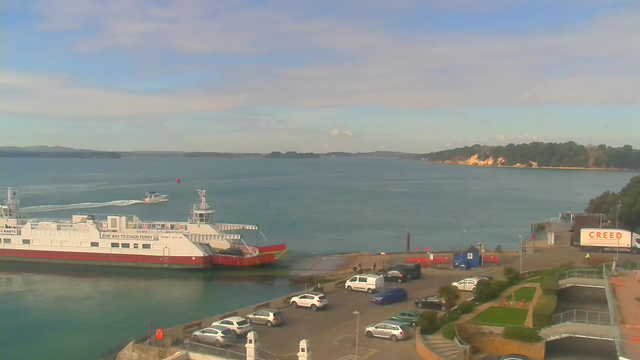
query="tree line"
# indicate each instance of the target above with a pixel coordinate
(625, 204)
(568, 154)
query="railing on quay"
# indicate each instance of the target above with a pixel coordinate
(612, 303)
(581, 274)
(583, 317)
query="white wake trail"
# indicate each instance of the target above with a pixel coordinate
(87, 205)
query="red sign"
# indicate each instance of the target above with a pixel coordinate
(533, 236)
(427, 249)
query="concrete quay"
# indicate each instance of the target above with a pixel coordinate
(332, 332)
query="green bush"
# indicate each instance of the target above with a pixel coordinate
(484, 291)
(549, 284)
(428, 322)
(513, 276)
(545, 306)
(499, 286)
(519, 333)
(466, 307)
(449, 331)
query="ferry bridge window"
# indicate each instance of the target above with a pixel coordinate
(146, 246)
(135, 246)
(115, 245)
(6, 241)
(125, 245)
(95, 244)
(26, 241)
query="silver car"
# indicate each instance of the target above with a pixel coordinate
(390, 329)
(240, 325)
(269, 317)
(216, 335)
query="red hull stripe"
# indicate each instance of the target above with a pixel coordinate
(272, 248)
(82, 256)
(242, 261)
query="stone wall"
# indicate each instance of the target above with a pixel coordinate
(497, 345)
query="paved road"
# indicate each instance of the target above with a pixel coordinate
(580, 349)
(332, 332)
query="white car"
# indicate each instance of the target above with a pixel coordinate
(240, 325)
(313, 300)
(217, 335)
(468, 284)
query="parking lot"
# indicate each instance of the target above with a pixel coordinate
(332, 331)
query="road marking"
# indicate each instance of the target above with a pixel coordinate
(371, 352)
(337, 340)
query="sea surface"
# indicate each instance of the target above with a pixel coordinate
(315, 206)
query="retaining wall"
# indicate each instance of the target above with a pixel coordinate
(497, 345)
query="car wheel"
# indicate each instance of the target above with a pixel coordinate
(314, 307)
(394, 338)
(249, 320)
(443, 309)
(349, 288)
(195, 339)
(370, 291)
(634, 250)
(269, 324)
(408, 277)
(218, 343)
(369, 334)
(400, 280)
(294, 304)
(420, 305)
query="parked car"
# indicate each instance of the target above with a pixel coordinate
(468, 284)
(240, 325)
(412, 270)
(407, 317)
(395, 276)
(389, 329)
(365, 282)
(216, 335)
(269, 317)
(390, 296)
(313, 300)
(433, 302)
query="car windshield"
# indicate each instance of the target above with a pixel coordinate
(243, 322)
(322, 297)
(227, 332)
(277, 314)
(405, 328)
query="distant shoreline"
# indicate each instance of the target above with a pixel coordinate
(532, 167)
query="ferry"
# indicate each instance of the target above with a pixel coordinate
(125, 240)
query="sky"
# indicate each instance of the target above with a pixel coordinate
(348, 75)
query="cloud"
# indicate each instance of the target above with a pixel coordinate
(337, 133)
(592, 63)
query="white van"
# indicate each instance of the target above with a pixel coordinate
(365, 282)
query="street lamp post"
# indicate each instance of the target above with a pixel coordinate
(617, 247)
(521, 248)
(357, 314)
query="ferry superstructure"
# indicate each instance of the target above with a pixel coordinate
(125, 240)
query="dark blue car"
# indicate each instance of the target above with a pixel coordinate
(390, 296)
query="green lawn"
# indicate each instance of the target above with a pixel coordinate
(497, 315)
(525, 293)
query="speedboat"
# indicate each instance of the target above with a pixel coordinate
(154, 197)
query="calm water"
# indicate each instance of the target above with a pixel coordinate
(315, 206)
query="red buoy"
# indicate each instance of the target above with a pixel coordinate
(178, 180)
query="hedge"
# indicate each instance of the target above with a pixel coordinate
(449, 331)
(549, 284)
(489, 289)
(545, 306)
(466, 307)
(428, 322)
(520, 333)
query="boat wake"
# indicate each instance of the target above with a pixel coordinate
(87, 205)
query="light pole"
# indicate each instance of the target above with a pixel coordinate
(521, 248)
(357, 314)
(617, 247)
